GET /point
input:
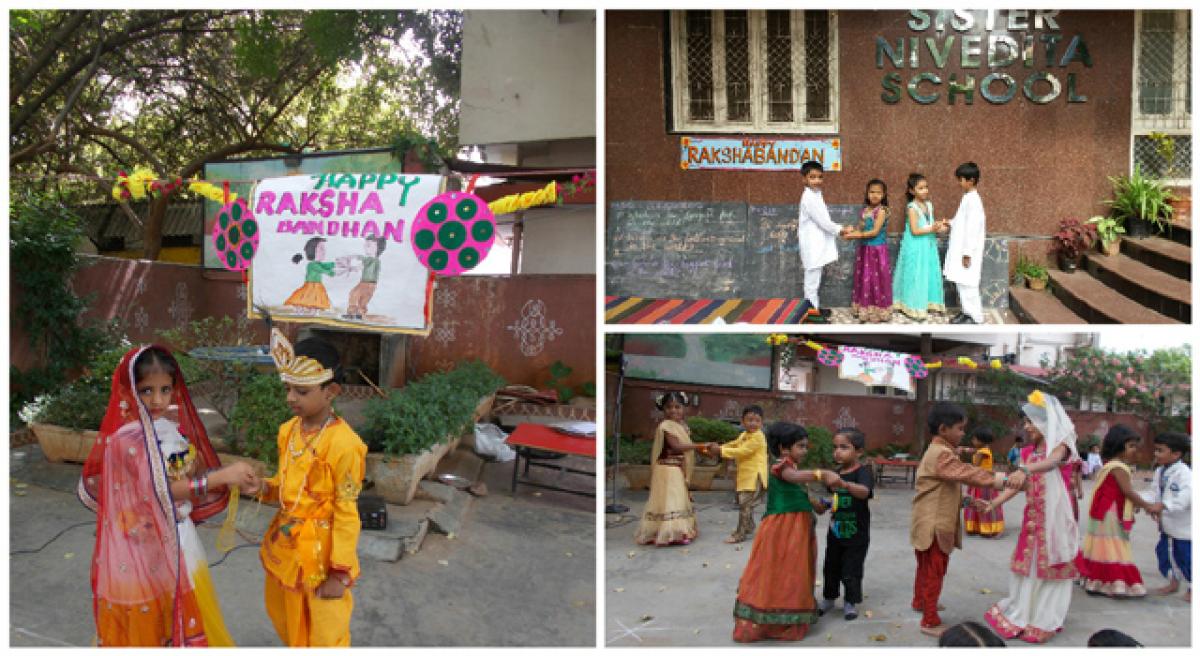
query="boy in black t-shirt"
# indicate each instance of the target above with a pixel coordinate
(849, 524)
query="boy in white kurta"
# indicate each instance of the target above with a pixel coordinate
(964, 254)
(1170, 496)
(817, 232)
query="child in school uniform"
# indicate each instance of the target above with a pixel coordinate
(1170, 497)
(749, 450)
(964, 253)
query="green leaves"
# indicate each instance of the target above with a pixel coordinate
(260, 410)
(433, 409)
(1138, 196)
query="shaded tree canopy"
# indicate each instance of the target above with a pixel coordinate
(95, 92)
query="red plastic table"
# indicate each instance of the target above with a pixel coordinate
(527, 437)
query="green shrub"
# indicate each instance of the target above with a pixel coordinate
(260, 410)
(82, 403)
(820, 447)
(436, 408)
(712, 430)
(635, 452)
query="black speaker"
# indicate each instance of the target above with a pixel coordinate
(373, 512)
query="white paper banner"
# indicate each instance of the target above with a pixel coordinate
(872, 367)
(325, 237)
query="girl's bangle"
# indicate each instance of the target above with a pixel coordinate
(817, 474)
(1025, 469)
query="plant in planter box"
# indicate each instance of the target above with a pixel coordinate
(227, 378)
(710, 430)
(1141, 202)
(1070, 242)
(635, 452)
(559, 373)
(254, 423)
(1109, 229)
(1032, 273)
(82, 403)
(820, 448)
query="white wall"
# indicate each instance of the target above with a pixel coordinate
(559, 240)
(528, 76)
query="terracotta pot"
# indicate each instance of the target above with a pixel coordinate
(702, 476)
(1112, 248)
(61, 444)
(637, 477)
(1036, 283)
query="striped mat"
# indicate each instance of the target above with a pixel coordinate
(632, 309)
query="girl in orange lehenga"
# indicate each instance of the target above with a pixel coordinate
(668, 517)
(148, 479)
(312, 295)
(775, 595)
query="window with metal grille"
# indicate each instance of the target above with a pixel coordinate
(1162, 104)
(754, 71)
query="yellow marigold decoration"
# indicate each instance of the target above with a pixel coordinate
(996, 364)
(547, 195)
(210, 191)
(1037, 398)
(135, 185)
(813, 345)
(777, 339)
(967, 362)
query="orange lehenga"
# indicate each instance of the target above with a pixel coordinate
(150, 581)
(978, 523)
(775, 598)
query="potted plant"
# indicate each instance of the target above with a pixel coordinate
(66, 423)
(1141, 202)
(253, 430)
(703, 431)
(412, 428)
(1109, 229)
(1032, 273)
(635, 461)
(1070, 242)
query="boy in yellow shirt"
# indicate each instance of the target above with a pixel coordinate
(310, 550)
(749, 450)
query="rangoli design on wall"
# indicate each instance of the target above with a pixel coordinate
(897, 429)
(731, 409)
(897, 409)
(180, 309)
(448, 298)
(533, 329)
(140, 318)
(444, 332)
(845, 419)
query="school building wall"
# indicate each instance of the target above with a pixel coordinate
(883, 420)
(1040, 163)
(518, 325)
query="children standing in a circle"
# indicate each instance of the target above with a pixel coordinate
(849, 533)
(917, 284)
(872, 300)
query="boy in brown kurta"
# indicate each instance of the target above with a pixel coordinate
(936, 529)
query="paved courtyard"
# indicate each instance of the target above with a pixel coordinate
(684, 596)
(521, 572)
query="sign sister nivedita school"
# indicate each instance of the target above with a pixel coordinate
(334, 250)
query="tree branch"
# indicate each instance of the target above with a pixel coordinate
(128, 141)
(195, 165)
(37, 64)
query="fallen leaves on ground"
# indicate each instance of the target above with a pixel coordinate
(868, 614)
(985, 591)
(879, 637)
(68, 556)
(570, 555)
(645, 618)
(620, 589)
(444, 563)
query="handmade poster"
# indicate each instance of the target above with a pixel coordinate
(873, 368)
(334, 250)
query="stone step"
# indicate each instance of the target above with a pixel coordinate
(1095, 302)
(1180, 231)
(1151, 287)
(1165, 255)
(1032, 306)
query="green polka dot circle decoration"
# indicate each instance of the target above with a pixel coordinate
(235, 235)
(453, 233)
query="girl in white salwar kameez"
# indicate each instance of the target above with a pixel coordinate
(1043, 564)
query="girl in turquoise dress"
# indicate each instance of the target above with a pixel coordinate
(917, 282)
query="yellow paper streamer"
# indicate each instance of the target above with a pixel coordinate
(996, 364)
(813, 345)
(210, 191)
(933, 365)
(967, 362)
(547, 195)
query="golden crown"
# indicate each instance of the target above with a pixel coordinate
(301, 370)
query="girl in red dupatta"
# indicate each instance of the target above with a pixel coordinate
(148, 478)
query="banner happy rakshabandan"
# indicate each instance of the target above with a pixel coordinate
(334, 250)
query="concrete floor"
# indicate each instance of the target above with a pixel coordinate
(684, 596)
(521, 572)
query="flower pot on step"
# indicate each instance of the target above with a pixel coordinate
(1068, 264)
(1112, 248)
(702, 476)
(1137, 227)
(61, 444)
(637, 477)
(396, 477)
(1036, 283)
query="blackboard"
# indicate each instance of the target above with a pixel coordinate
(771, 267)
(675, 249)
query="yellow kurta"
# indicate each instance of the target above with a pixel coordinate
(750, 452)
(314, 533)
